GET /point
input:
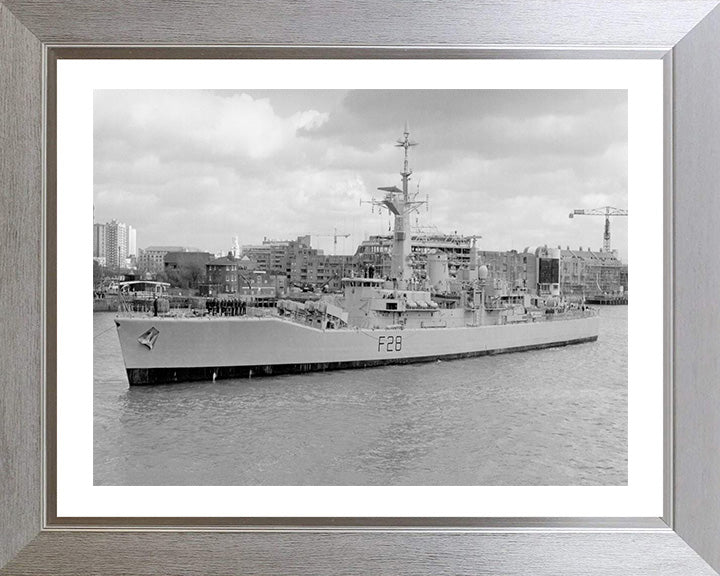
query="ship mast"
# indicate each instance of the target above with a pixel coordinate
(401, 204)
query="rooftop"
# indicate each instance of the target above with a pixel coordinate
(224, 261)
(170, 249)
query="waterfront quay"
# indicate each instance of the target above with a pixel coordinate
(260, 274)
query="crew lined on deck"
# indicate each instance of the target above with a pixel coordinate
(226, 307)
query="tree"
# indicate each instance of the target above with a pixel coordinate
(99, 274)
(186, 276)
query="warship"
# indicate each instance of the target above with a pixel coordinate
(403, 318)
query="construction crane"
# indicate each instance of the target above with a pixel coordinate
(334, 236)
(606, 211)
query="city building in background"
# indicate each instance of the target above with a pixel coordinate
(285, 265)
(376, 253)
(585, 272)
(515, 269)
(132, 243)
(99, 252)
(302, 265)
(222, 275)
(152, 258)
(114, 244)
(180, 260)
(579, 272)
(321, 271)
(277, 255)
(259, 283)
(186, 269)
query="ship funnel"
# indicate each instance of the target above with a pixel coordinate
(438, 274)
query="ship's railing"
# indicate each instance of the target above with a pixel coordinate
(549, 315)
(588, 312)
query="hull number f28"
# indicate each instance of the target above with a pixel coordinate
(389, 343)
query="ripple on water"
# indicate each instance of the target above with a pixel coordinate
(546, 417)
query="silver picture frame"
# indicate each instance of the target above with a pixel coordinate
(685, 34)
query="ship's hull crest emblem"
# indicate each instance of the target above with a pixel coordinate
(149, 337)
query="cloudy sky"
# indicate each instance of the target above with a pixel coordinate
(195, 168)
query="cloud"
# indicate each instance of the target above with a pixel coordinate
(185, 124)
(197, 167)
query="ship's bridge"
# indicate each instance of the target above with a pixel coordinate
(356, 289)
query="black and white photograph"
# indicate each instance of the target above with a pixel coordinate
(310, 287)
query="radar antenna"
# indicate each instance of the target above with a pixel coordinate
(401, 205)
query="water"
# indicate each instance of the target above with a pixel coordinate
(546, 417)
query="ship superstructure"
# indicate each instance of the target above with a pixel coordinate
(375, 320)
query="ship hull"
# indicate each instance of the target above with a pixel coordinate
(214, 348)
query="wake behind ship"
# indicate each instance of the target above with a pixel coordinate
(407, 317)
